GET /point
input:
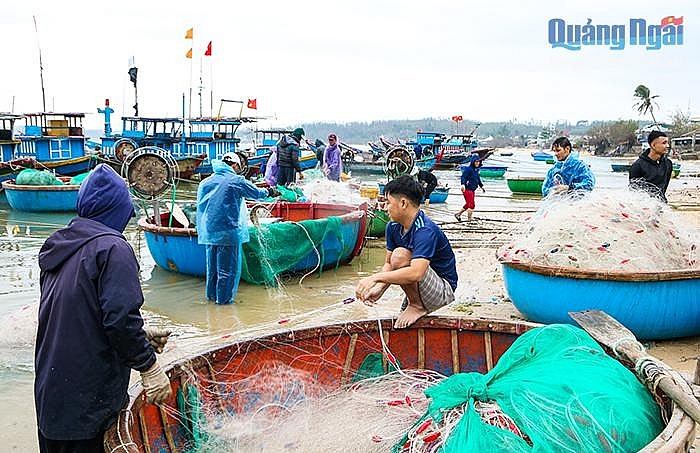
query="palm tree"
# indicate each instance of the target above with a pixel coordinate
(646, 102)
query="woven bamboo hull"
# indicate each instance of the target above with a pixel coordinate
(41, 198)
(333, 354)
(526, 185)
(653, 305)
(178, 250)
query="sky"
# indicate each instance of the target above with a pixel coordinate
(343, 60)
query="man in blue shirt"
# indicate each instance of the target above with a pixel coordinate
(419, 257)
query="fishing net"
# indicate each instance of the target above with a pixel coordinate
(78, 179)
(271, 252)
(32, 177)
(604, 230)
(554, 390)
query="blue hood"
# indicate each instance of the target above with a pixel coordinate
(104, 197)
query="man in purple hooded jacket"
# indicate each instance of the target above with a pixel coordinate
(90, 333)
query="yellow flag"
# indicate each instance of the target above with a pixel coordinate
(189, 33)
(189, 53)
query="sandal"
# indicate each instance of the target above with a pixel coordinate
(459, 219)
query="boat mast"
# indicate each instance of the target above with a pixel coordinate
(133, 75)
(41, 67)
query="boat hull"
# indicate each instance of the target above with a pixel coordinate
(178, 250)
(525, 185)
(439, 195)
(333, 355)
(41, 198)
(377, 219)
(653, 305)
(492, 171)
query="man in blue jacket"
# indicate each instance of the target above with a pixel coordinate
(568, 173)
(419, 257)
(222, 225)
(90, 332)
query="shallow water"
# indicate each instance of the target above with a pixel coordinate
(178, 301)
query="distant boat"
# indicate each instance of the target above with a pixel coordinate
(525, 184)
(541, 156)
(438, 195)
(505, 153)
(621, 168)
(492, 171)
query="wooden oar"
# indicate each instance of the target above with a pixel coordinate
(608, 331)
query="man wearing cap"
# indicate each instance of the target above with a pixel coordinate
(288, 153)
(90, 333)
(222, 225)
(652, 170)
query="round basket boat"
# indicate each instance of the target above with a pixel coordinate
(30, 198)
(653, 305)
(333, 354)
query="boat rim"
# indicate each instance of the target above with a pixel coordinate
(354, 213)
(605, 275)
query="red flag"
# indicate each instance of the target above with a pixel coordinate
(253, 104)
(671, 20)
(207, 53)
(457, 118)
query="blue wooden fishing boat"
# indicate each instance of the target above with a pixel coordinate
(621, 168)
(29, 198)
(542, 156)
(653, 305)
(192, 143)
(222, 378)
(56, 141)
(175, 247)
(439, 195)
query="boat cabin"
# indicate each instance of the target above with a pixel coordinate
(52, 136)
(8, 142)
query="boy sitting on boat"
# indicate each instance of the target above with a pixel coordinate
(419, 257)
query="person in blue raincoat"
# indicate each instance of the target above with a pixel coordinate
(568, 173)
(222, 225)
(90, 332)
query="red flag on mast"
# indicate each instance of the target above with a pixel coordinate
(207, 53)
(253, 104)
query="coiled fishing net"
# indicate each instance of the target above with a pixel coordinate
(604, 230)
(554, 390)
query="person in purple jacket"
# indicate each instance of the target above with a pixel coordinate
(332, 164)
(90, 333)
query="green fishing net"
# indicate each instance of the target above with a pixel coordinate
(271, 252)
(31, 177)
(193, 420)
(373, 366)
(557, 387)
(78, 179)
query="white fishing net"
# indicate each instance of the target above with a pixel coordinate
(604, 230)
